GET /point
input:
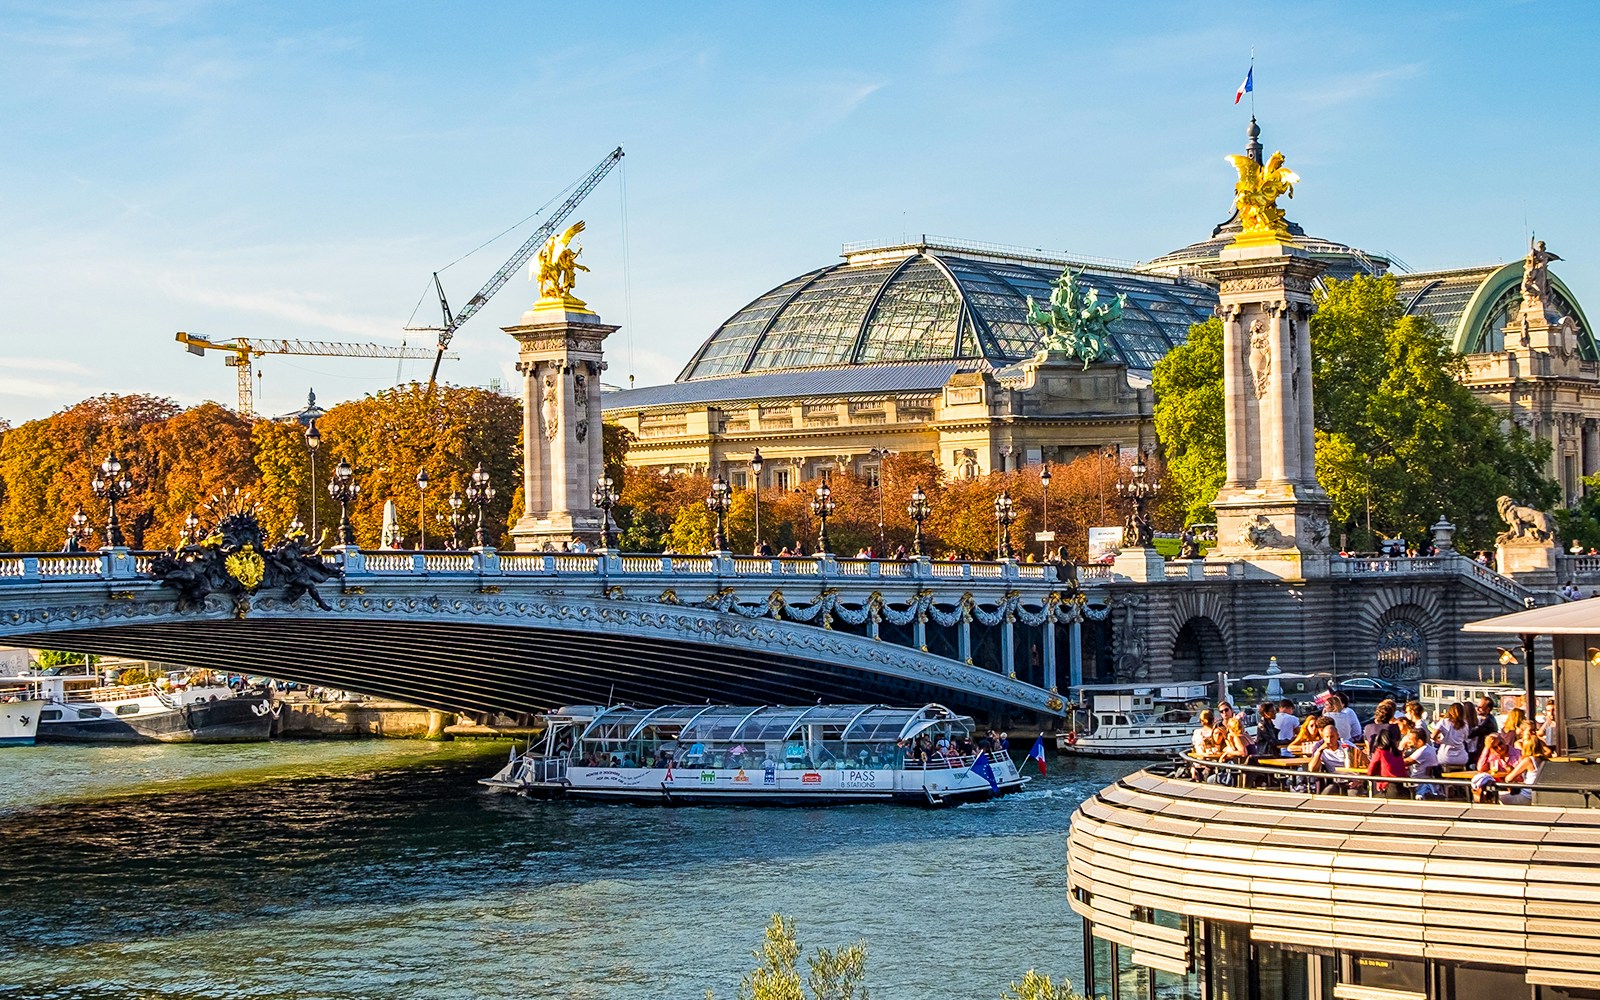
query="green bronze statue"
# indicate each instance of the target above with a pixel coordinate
(1074, 321)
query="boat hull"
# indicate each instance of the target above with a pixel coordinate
(243, 719)
(19, 722)
(735, 787)
(1152, 750)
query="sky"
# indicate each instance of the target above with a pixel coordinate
(299, 170)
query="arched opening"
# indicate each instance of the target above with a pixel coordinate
(1198, 653)
(1402, 650)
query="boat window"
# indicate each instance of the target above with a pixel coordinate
(127, 709)
(50, 715)
(89, 713)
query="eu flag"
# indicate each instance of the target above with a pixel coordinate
(981, 768)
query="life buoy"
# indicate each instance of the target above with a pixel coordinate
(1072, 739)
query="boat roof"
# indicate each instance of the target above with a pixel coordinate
(760, 723)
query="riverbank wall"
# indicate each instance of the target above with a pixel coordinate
(304, 719)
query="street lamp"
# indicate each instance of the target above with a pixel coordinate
(1005, 512)
(422, 510)
(296, 527)
(1138, 532)
(605, 498)
(1045, 536)
(313, 442)
(455, 519)
(343, 488)
(919, 511)
(112, 484)
(880, 454)
(822, 507)
(717, 504)
(479, 493)
(756, 462)
(191, 529)
(77, 530)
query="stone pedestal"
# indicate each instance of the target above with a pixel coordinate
(560, 361)
(1532, 564)
(1271, 512)
(1140, 564)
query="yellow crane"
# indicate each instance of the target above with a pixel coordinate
(244, 349)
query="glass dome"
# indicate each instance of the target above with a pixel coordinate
(938, 301)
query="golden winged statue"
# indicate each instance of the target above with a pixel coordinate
(556, 267)
(1256, 197)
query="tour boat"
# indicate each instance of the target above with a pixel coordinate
(1136, 721)
(759, 754)
(19, 713)
(79, 709)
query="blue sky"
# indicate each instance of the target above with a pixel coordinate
(298, 169)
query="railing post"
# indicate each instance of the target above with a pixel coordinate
(351, 560)
(924, 568)
(116, 563)
(966, 571)
(30, 567)
(419, 562)
(486, 560)
(826, 565)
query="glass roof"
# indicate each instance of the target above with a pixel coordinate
(934, 303)
(755, 723)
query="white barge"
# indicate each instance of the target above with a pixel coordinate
(761, 754)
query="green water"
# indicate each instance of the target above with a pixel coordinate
(381, 869)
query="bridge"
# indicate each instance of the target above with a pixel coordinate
(484, 632)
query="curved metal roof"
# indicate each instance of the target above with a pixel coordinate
(937, 301)
(1474, 304)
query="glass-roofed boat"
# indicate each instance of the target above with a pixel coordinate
(773, 753)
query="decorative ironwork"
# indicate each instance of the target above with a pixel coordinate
(1137, 531)
(717, 504)
(1005, 514)
(343, 488)
(111, 484)
(823, 507)
(479, 493)
(78, 531)
(234, 560)
(605, 498)
(918, 510)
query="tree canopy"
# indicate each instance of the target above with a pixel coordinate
(1393, 421)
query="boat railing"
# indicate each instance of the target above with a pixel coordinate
(113, 693)
(544, 770)
(1355, 782)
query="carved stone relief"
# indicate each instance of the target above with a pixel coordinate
(1260, 357)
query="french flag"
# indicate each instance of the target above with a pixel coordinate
(1037, 753)
(1247, 87)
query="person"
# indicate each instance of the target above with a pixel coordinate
(1496, 756)
(900, 553)
(580, 546)
(1534, 752)
(1417, 714)
(1268, 743)
(1344, 717)
(1386, 763)
(1547, 728)
(1288, 722)
(1305, 741)
(1422, 761)
(1204, 733)
(1382, 722)
(1332, 752)
(1235, 744)
(1485, 723)
(1450, 735)
(1513, 722)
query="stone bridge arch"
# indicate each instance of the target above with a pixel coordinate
(1399, 633)
(1199, 634)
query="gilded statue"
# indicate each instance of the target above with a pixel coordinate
(1074, 321)
(1256, 197)
(556, 267)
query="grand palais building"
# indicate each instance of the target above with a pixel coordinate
(925, 347)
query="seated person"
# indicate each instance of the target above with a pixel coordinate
(1422, 761)
(1305, 741)
(1496, 757)
(1534, 752)
(1385, 762)
(1204, 734)
(1331, 752)
(1268, 743)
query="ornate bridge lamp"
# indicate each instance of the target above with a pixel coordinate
(111, 484)
(1138, 532)
(880, 454)
(191, 529)
(823, 507)
(455, 519)
(344, 489)
(756, 463)
(717, 504)
(479, 493)
(605, 497)
(77, 530)
(422, 510)
(313, 442)
(918, 511)
(1005, 512)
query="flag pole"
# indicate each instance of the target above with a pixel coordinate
(1252, 81)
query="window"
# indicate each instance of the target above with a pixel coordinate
(1388, 973)
(89, 713)
(1102, 971)
(127, 709)
(1228, 968)
(50, 715)
(1488, 982)
(780, 479)
(739, 480)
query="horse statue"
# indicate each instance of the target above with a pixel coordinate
(1073, 321)
(1256, 196)
(556, 267)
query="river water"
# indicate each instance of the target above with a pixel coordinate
(381, 869)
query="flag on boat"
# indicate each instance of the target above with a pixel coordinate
(981, 768)
(669, 770)
(1037, 753)
(513, 759)
(1248, 86)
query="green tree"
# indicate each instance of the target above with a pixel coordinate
(1396, 427)
(835, 974)
(1033, 986)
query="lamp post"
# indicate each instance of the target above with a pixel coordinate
(1046, 536)
(422, 510)
(313, 442)
(1137, 532)
(822, 507)
(1005, 512)
(756, 462)
(77, 530)
(191, 529)
(605, 498)
(455, 519)
(111, 484)
(880, 454)
(296, 527)
(343, 488)
(918, 511)
(717, 504)
(479, 493)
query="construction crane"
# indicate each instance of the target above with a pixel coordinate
(243, 350)
(512, 266)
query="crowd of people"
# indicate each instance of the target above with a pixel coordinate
(1502, 753)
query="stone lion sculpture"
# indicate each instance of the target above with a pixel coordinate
(1523, 524)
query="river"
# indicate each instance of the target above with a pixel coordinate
(380, 869)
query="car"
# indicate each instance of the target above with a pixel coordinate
(1366, 692)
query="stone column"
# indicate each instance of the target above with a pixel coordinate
(1047, 654)
(561, 359)
(1271, 512)
(1075, 653)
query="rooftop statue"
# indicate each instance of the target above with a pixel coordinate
(1075, 322)
(1256, 197)
(1536, 273)
(556, 267)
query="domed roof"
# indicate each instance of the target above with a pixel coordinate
(938, 300)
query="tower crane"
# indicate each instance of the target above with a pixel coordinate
(512, 266)
(243, 350)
